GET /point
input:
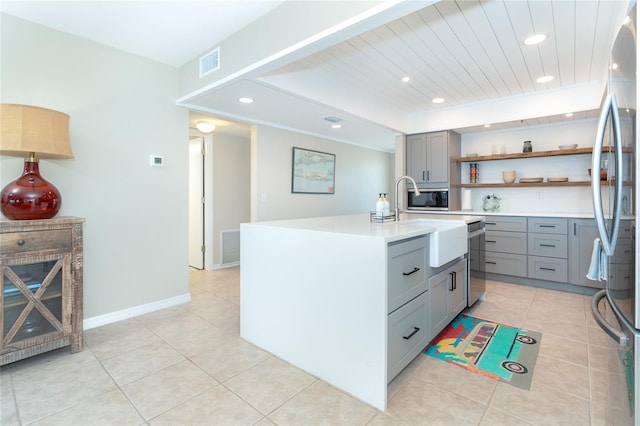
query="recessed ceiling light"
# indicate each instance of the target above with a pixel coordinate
(437, 100)
(614, 66)
(535, 39)
(245, 100)
(406, 79)
(336, 126)
(626, 20)
(487, 125)
(545, 79)
(569, 114)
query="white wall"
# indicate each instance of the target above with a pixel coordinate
(360, 175)
(576, 199)
(122, 109)
(231, 185)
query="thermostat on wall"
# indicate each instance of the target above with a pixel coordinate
(156, 160)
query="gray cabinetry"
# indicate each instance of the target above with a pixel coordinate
(547, 249)
(582, 233)
(407, 334)
(408, 330)
(407, 271)
(506, 246)
(448, 294)
(622, 262)
(432, 159)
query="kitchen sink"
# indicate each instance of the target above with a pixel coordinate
(448, 242)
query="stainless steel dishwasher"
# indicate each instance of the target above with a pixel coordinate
(475, 262)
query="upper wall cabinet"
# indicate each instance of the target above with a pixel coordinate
(432, 159)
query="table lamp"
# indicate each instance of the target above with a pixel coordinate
(33, 133)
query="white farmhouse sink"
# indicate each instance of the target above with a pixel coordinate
(448, 242)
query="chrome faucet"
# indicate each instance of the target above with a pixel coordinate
(397, 191)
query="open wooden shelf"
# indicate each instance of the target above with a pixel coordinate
(534, 154)
(533, 184)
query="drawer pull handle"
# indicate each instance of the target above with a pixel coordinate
(547, 226)
(548, 269)
(21, 242)
(415, 330)
(547, 245)
(489, 241)
(490, 263)
(412, 272)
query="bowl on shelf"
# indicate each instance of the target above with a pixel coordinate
(509, 176)
(571, 146)
(603, 174)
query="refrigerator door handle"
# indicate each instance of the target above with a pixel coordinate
(616, 335)
(609, 107)
(617, 201)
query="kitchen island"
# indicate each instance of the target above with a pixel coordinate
(331, 295)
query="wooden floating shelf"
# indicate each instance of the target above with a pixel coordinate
(534, 154)
(524, 185)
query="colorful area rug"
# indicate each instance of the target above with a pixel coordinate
(495, 350)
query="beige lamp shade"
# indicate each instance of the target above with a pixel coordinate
(25, 129)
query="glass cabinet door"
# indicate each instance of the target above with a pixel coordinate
(32, 301)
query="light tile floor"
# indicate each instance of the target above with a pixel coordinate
(188, 365)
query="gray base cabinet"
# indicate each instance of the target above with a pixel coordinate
(407, 334)
(448, 293)
(582, 233)
(506, 246)
(407, 302)
(547, 249)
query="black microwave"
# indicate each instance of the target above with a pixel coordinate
(429, 199)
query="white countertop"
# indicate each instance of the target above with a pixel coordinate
(360, 224)
(588, 215)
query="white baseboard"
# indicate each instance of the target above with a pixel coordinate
(112, 317)
(219, 266)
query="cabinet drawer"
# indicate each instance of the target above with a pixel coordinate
(506, 242)
(545, 225)
(548, 245)
(507, 264)
(506, 223)
(20, 242)
(626, 229)
(407, 271)
(548, 268)
(407, 334)
(624, 252)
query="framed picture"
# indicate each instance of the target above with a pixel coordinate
(312, 172)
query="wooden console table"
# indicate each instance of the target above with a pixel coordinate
(41, 272)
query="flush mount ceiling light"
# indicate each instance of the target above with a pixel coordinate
(535, 39)
(545, 79)
(336, 126)
(245, 100)
(205, 126)
(437, 100)
(406, 79)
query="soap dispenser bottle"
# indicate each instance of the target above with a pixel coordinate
(386, 209)
(380, 205)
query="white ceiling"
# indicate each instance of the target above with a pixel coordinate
(468, 52)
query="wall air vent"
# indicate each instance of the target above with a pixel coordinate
(333, 119)
(210, 62)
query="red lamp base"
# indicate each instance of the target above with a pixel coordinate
(30, 196)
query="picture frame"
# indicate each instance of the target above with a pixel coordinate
(312, 172)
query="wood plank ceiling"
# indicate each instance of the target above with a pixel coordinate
(463, 51)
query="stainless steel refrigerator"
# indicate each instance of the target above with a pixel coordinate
(615, 380)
